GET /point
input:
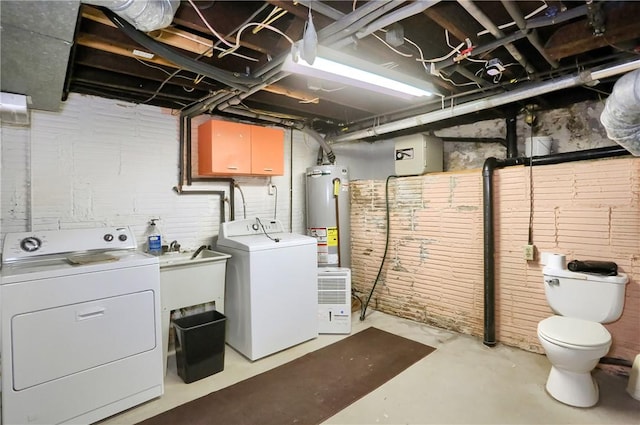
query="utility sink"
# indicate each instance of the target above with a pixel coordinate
(185, 282)
(171, 259)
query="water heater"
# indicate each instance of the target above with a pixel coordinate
(328, 213)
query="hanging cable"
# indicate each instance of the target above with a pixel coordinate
(206, 23)
(235, 47)
(265, 231)
(275, 14)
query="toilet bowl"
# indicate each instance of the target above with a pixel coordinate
(574, 339)
(574, 348)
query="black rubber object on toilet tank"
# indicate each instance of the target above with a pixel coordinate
(605, 268)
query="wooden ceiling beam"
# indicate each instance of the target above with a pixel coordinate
(110, 62)
(449, 17)
(621, 25)
(95, 42)
(114, 81)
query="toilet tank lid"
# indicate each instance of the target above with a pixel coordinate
(574, 331)
(620, 278)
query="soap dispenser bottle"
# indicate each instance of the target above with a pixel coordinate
(154, 238)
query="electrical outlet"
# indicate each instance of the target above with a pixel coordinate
(529, 252)
(272, 189)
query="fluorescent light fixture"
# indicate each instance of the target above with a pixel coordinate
(344, 69)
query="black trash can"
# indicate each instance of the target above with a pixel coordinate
(200, 345)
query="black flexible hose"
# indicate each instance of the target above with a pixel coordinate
(386, 248)
(231, 79)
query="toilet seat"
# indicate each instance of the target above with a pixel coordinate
(573, 333)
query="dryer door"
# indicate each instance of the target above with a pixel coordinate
(56, 342)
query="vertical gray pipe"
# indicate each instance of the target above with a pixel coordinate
(512, 133)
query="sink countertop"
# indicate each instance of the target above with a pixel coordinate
(181, 258)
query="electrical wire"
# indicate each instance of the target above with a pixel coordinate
(510, 24)
(252, 24)
(157, 92)
(406, 55)
(184, 77)
(473, 83)
(275, 14)
(206, 23)
(265, 231)
(232, 47)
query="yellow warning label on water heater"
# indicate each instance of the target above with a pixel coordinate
(332, 236)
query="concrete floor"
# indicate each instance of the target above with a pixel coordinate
(462, 382)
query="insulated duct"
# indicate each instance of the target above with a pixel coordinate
(323, 144)
(621, 114)
(145, 15)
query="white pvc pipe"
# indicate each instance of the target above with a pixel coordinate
(531, 90)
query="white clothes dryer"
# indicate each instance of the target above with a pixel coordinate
(271, 295)
(80, 314)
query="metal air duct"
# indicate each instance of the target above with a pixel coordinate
(621, 114)
(145, 15)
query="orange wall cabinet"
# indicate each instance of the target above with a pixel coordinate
(227, 148)
(224, 147)
(267, 151)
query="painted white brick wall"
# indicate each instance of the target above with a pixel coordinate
(14, 178)
(102, 162)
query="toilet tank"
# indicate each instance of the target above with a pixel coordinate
(585, 296)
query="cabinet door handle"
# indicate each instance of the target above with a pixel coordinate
(268, 169)
(232, 168)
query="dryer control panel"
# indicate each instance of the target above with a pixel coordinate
(250, 226)
(22, 246)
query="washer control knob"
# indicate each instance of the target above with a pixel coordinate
(122, 237)
(254, 226)
(108, 237)
(30, 244)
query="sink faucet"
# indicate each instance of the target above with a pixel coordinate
(198, 251)
(174, 246)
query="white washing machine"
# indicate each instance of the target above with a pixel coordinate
(80, 319)
(271, 295)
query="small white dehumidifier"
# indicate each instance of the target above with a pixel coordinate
(334, 300)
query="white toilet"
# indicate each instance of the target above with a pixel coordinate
(575, 340)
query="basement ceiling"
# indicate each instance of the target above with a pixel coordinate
(466, 50)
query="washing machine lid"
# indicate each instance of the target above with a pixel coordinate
(576, 332)
(262, 242)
